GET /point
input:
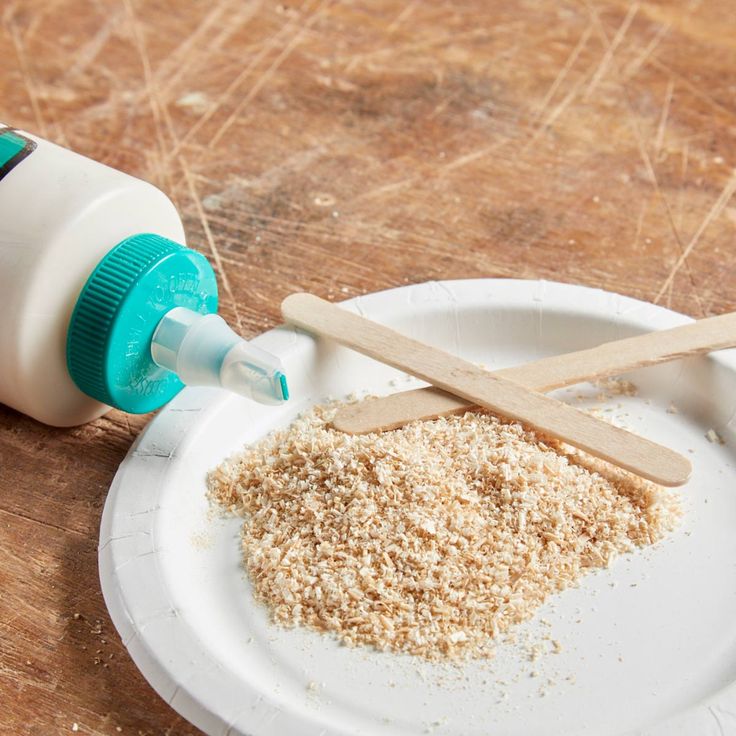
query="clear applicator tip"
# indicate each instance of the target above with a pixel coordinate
(204, 351)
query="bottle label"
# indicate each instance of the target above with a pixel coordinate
(14, 147)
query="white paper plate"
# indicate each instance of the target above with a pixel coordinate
(649, 646)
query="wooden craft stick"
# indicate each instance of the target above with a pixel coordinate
(609, 359)
(451, 373)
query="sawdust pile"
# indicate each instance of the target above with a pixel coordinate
(431, 539)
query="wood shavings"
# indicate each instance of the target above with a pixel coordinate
(712, 436)
(431, 539)
(617, 387)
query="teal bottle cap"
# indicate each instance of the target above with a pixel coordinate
(108, 348)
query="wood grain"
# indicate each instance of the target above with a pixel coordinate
(380, 413)
(341, 148)
(507, 398)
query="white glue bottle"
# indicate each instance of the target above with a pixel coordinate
(103, 305)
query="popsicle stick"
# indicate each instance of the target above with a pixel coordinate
(609, 359)
(451, 373)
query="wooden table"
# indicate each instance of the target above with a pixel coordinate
(344, 147)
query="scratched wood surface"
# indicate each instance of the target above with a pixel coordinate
(343, 147)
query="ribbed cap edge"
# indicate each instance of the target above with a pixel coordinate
(98, 304)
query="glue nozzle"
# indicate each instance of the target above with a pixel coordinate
(203, 351)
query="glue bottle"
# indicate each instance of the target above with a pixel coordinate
(103, 305)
